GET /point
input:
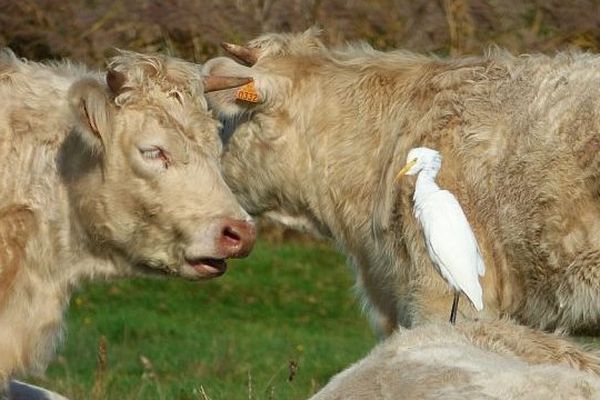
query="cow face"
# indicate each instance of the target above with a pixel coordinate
(143, 171)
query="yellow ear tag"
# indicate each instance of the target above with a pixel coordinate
(248, 93)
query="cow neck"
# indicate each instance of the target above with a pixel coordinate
(89, 261)
(340, 204)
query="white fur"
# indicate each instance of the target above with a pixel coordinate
(471, 361)
(80, 201)
(521, 154)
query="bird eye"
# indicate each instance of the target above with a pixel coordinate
(156, 153)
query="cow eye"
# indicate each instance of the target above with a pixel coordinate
(157, 154)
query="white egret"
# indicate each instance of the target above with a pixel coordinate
(450, 240)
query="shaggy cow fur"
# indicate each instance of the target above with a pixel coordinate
(102, 180)
(520, 141)
(466, 361)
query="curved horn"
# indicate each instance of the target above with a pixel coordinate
(245, 54)
(213, 83)
(115, 81)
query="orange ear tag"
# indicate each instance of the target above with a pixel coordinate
(248, 93)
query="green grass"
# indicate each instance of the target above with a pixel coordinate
(233, 337)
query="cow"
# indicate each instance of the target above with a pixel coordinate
(317, 141)
(473, 360)
(104, 175)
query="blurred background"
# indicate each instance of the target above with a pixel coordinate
(279, 324)
(87, 29)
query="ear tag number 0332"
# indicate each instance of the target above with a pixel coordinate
(248, 93)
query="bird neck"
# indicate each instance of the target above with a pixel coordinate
(425, 186)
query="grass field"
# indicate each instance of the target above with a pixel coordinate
(231, 338)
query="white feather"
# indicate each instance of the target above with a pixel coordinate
(451, 243)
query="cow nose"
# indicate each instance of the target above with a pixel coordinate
(236, 238)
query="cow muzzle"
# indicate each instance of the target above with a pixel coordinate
(236, 238)
(226, 238)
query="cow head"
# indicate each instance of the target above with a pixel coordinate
(269, 61)
(142, 168)
(266, 151)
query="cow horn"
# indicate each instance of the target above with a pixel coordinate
(115, 81)
(245, 54)
(213, 83)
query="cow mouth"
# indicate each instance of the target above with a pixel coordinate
(208, 266)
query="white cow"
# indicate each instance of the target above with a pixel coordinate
(103, 179)
(318, 141)
(468, 361)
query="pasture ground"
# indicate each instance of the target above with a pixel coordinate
(226, 339)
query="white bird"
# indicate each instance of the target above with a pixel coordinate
(450, 240)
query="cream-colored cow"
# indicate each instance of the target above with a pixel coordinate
(520, 137)
(469, 361)
(104, 179)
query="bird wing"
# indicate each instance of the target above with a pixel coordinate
(452, 245)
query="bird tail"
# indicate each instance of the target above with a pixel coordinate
(475, 295)
(477, 303)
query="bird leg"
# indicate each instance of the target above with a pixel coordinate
(454, 307)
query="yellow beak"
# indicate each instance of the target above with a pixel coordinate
(405, 169)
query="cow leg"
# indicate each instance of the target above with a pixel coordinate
(383, 325)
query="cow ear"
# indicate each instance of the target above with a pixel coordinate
(236, 100)
(90, 104)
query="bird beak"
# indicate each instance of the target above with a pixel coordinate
(405, 169)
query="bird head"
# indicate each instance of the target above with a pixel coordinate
(421, 158)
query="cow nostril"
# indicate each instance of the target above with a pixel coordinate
(236, 238)
(230, 234)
